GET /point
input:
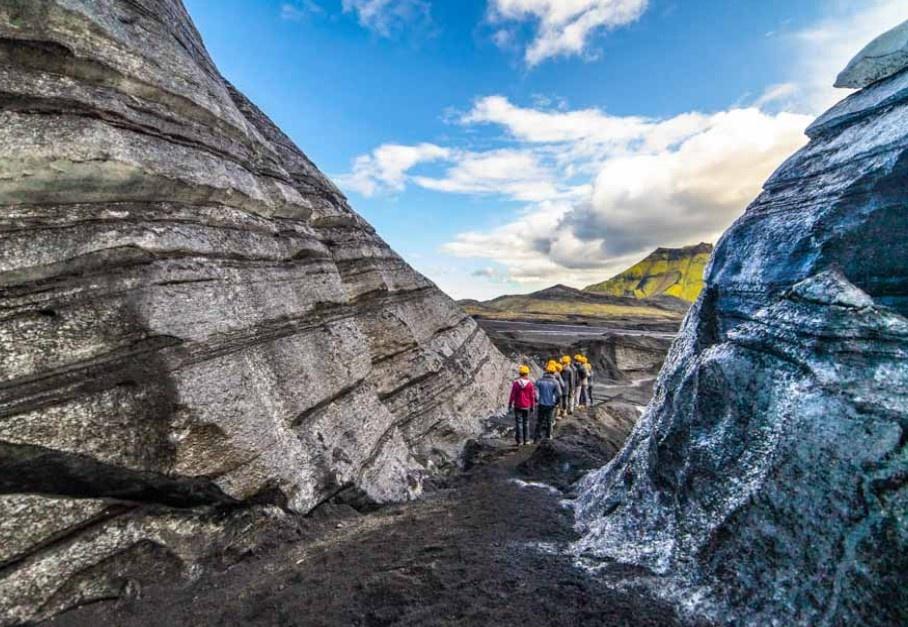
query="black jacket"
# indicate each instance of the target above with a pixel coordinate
(569, 378)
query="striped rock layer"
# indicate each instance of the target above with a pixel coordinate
(196, 328)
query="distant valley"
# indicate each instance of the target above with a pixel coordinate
(625, 325)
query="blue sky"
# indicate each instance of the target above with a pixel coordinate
(506, 145)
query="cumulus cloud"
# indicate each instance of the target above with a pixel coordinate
(583, 135)
(598, 190)
(514, 244)
(674, 182)
(388, 17)
(516, 174)
(537, 125)
(562, 27)
(386, 168)
(686, 194)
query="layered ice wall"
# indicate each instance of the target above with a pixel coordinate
(769, 472)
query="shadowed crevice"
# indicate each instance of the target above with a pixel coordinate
(36, 469)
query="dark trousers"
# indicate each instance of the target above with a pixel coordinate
(521, 425)
(564, 398)
(544, 423)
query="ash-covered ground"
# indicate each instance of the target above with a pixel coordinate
(485, 546)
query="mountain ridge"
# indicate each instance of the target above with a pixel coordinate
(560, 303)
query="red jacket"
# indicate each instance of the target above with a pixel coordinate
(523, 394)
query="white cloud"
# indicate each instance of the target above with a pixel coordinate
(563, 27)
(388, 17)
(688, 194)
(513, 245)
(299, 10)
(386, 168)
(535, 125)
(511, 174)
(582, 134)
(515, 174)
(664, 182)
(602, 190)
(660, 191)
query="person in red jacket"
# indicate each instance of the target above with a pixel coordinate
(522, 402)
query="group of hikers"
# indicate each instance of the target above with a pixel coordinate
(565, 386)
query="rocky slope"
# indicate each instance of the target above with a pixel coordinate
(766, 482)
(198, 334)
(676, 272)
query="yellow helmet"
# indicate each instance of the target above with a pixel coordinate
(578, 357)
(551, 368)
(559, 367)
(566, 360)
(524, 370)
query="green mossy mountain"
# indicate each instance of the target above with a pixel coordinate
(674, 272)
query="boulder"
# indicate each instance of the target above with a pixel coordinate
(765, 484)
(195, 325)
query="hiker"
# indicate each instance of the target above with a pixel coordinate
(522, 402)
(549, 392)
(589, 380)
(553, 363)
(581, 379)
(559, 411)
(569, 378)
